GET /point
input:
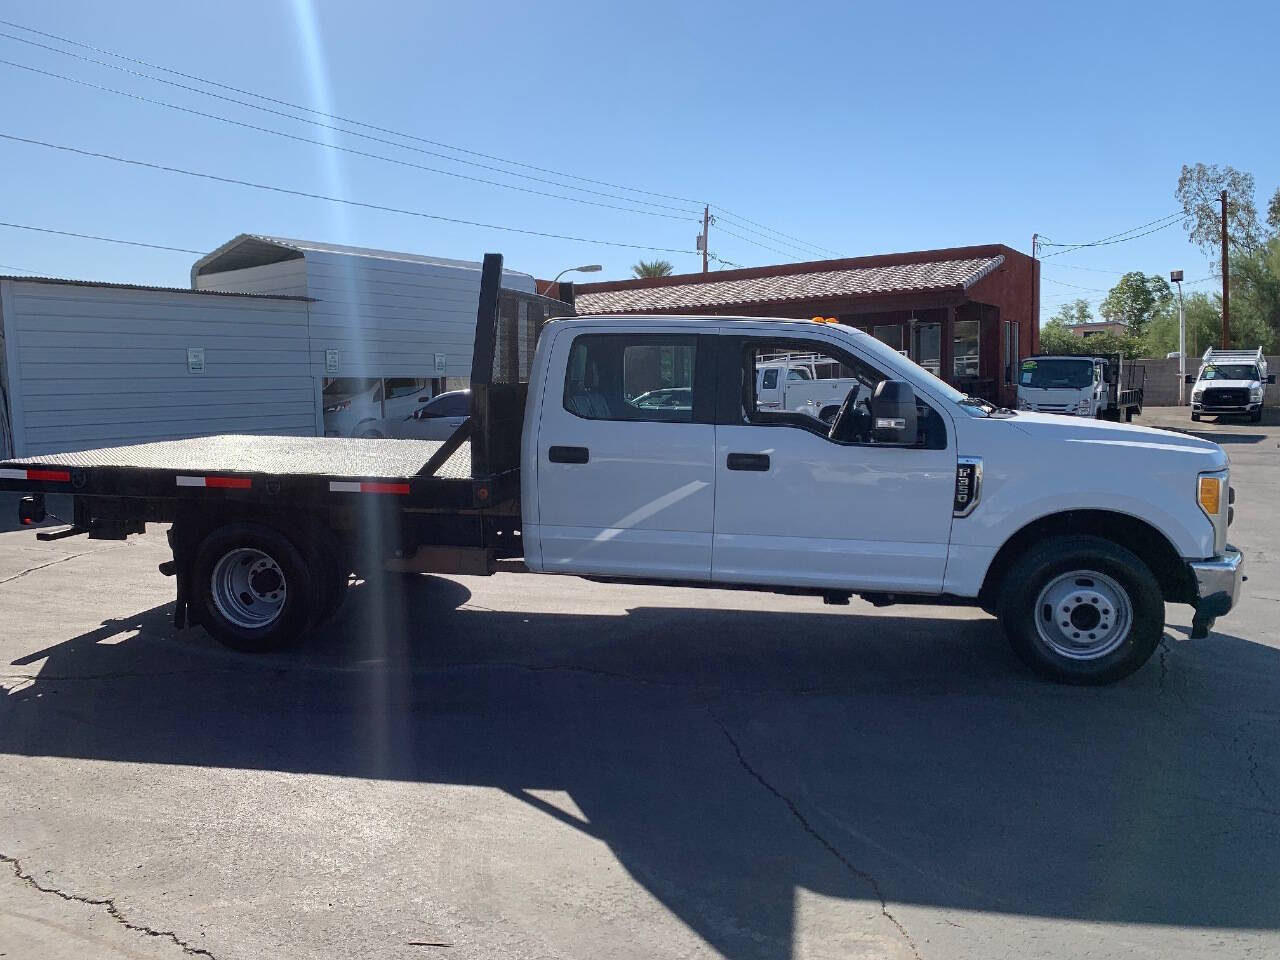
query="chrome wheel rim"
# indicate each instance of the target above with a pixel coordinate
(1083, 615)
(248, 588)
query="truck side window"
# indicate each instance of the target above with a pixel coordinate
(621, 376)
(811, 399)
(770, 379)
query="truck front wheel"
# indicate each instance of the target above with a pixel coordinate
(1082, 610)
(253, 588)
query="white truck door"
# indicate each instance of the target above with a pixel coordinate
(625, 455)
(793, 507)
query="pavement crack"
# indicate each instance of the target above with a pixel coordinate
(43, 566)
(1164, 667)
(808, 828)
(1253, 764)
(109, 903)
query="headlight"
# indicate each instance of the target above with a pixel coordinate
(1255, 394)
(1023, 404)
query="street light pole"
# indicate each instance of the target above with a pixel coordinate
(1176, 277)
(587, 268)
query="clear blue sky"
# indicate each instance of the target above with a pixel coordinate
(864, 128)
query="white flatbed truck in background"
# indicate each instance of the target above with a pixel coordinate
(913, 493)
(1103, 387)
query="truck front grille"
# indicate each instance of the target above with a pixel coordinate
(1226, 397)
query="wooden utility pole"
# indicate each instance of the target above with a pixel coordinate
(707, 224)
(1226, 282)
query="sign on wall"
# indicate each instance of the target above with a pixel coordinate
(442, 363)
(195, 359)
(331, 363)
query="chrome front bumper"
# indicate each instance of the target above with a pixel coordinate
(1217, 588)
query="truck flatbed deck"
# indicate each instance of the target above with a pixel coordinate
(321, 471)
(338, 457)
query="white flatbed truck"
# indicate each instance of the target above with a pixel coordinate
(914, 493)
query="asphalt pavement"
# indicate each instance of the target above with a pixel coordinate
(524, 766)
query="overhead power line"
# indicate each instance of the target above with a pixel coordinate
(330, 116)
(336, 129)
(755, 242)
(1074, 286)
(90, 236)
(334, 146)
(733, 216)
(1123, 236)
(380, 129)
(328, 199)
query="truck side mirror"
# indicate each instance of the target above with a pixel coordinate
(893, 413)
(1271, 378)
(1189, 379)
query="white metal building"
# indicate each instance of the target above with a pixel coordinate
(273, 334)
(386, 314)
(98, 364)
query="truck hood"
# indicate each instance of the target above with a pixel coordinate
(1105, 434)
(1237, 384)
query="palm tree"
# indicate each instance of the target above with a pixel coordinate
(653, 268)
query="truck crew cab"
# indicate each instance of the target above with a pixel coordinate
(913, 493)
(1230, 382)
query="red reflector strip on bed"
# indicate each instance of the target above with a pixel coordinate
(224, 483)
(367, 486)
(48, 476)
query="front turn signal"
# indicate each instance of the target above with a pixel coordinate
(1210, 495)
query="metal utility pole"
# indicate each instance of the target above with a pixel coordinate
(1176, 277)
(707, 225)
(1226, 284)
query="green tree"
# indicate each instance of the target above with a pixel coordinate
(1197, 192)
(1204, 326)
(1135, 300)
(1273, 214)
(1073, 311)
(653, 268)
(1255, 297)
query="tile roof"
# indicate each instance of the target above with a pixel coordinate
(935, 276)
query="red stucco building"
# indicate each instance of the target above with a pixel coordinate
(967, 314)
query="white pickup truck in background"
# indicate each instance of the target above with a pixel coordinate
(640, 449)
(802, 383)
(1230, 382)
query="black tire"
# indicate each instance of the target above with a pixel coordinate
(218, 611)
(330, 573)
(1045, 565)
(1256, 416)
(1128, 415)
(1195, 418)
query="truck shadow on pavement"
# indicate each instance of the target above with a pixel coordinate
(731, 758)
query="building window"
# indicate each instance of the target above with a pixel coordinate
(928, 347)
(964, 350)
(888, 333)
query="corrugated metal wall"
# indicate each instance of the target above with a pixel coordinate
(385, 317)
(101, 366)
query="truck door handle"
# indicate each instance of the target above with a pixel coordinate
(568, 454)
(748, 461)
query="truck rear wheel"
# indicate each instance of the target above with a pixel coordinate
(253, 588)
(1082, 610)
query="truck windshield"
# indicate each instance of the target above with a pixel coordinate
(1055, 373)
(1229, 371)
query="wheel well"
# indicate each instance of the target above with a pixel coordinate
(1151, 546)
